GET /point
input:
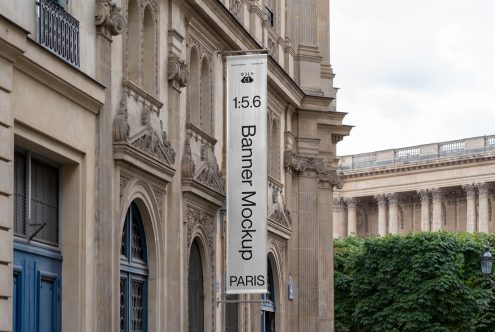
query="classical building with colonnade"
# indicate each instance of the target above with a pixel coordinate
(432, 187)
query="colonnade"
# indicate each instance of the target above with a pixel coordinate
(478, 211)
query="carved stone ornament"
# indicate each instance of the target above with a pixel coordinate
(149, 142)
(280, 216)
(234, 8)
(108, 15)
(121, 125)
(307, 165)
(208, 172)
(188, 166)
(178, 72)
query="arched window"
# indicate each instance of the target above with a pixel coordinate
(149, 54)
(196, 290)
(268, 307)
(133, 273)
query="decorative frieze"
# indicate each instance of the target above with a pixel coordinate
(107, 16)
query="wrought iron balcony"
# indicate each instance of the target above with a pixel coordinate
(58, 31)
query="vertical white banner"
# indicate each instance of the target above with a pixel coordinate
(246, 174)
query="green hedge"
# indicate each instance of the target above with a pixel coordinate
(419, 282)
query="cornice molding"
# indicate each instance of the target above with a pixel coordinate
(347, 174)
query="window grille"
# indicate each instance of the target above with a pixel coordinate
(19, 195)
(134, 273)
(36, 203)
(58, 31)
(123, 308)
(452, 147)
(44, 202)
(407, 152)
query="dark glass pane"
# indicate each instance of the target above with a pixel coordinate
(123, 304)
(137, 290)
(138, 238)
(19, 195)
(123, 243)
(196, 292)
(44, 202)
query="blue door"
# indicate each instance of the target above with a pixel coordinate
(36, 296)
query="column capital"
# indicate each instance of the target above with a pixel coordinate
(470, 190)
(381, 200)
(393, 198)
(351, 202)
(338, 203)
(312, 166)
(436, 194)
(108, 17)
(483, 188)
(424, 195)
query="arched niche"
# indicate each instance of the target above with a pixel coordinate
(194, 88)
(205, 97)
(133, 41)
(149, 51)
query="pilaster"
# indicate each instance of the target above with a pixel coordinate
(12, 45)
(314, 266)
(109, 23)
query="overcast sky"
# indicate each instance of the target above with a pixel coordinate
(413, 72)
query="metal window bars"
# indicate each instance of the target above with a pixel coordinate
(58, 31)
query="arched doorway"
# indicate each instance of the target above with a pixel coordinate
(196, 290)
(133, 273)
(268, 307)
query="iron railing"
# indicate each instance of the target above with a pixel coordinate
(58, 31)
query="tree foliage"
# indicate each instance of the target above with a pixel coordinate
(419, 282)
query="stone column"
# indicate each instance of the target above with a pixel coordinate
(425, 210)
(393, 213)
(338, 228)
(470, 207)
(351, 216)
(382, 214)
(483, 212)
(437, 222)
(109, 23)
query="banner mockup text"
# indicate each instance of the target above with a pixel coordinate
(246, 174)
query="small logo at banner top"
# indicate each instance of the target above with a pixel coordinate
(246, 78)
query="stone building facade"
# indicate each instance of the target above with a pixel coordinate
(439, 186)
(112, 164)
